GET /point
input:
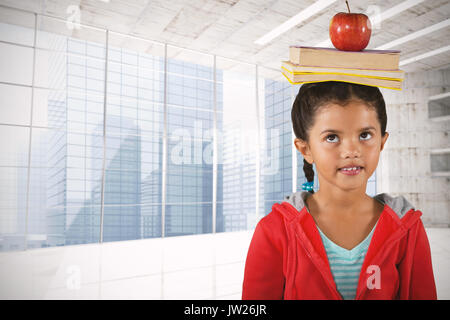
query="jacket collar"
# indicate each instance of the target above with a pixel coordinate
(391, 227)
(400, 205)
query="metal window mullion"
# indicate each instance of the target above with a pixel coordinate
(27, 206)
(102, 210)
(139, 137)
(85, 116)
(258, 142)
(215, 173)
(66, 141)
(164, 152)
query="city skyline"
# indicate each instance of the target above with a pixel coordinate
(65, 200)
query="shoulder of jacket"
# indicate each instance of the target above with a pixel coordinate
(275, 222)
(399, 204)
(297, 199)
(273, 219)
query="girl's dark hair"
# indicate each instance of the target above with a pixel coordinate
(312, 96)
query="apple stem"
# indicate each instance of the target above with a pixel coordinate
(347, 6)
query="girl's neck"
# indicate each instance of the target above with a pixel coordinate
(344, 202)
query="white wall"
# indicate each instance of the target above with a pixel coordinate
(404, 167)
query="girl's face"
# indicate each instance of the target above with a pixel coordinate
(342, 137)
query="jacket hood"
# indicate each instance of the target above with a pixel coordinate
(400, 205)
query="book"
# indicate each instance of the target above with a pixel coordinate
(358, 79)
(295, 69)
(331, 57)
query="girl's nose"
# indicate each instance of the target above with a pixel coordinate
(350, 149)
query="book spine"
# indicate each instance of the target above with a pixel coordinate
(344, 59)
(299, 68)
(291, 81)
(294, 55)
(345, 72)
(297, 79)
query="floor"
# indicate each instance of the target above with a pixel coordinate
(439, 239)
(203, 267)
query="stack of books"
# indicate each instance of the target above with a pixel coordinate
(378, 68)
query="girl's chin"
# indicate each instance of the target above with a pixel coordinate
(351, 188)
(346, 183)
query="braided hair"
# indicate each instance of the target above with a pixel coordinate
(312, 96)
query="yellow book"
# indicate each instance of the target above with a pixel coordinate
(294, 69)
(312, 77)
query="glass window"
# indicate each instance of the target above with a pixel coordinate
(66, 167)
(13, 186)
(15, 102)
(16, 64)
(237, 146)
(189, 164)
(134, 127)
(276, 160)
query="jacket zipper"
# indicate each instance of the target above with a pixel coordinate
(330, 285)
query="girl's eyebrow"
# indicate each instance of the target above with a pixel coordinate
(337, 131)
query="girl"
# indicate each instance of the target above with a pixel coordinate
(338, 242)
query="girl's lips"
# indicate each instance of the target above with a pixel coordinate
(351, 172)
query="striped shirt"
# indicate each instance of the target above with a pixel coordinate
(346, 264)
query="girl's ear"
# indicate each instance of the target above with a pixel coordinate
(303, 147)
(383, 140)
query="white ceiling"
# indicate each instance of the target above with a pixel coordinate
(228, 28)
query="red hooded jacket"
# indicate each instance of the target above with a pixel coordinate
(287, 260)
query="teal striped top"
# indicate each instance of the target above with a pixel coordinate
(346, 264)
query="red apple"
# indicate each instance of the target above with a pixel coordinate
(350, 31)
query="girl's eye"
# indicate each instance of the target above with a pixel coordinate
(333, 138)
(366, 135)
